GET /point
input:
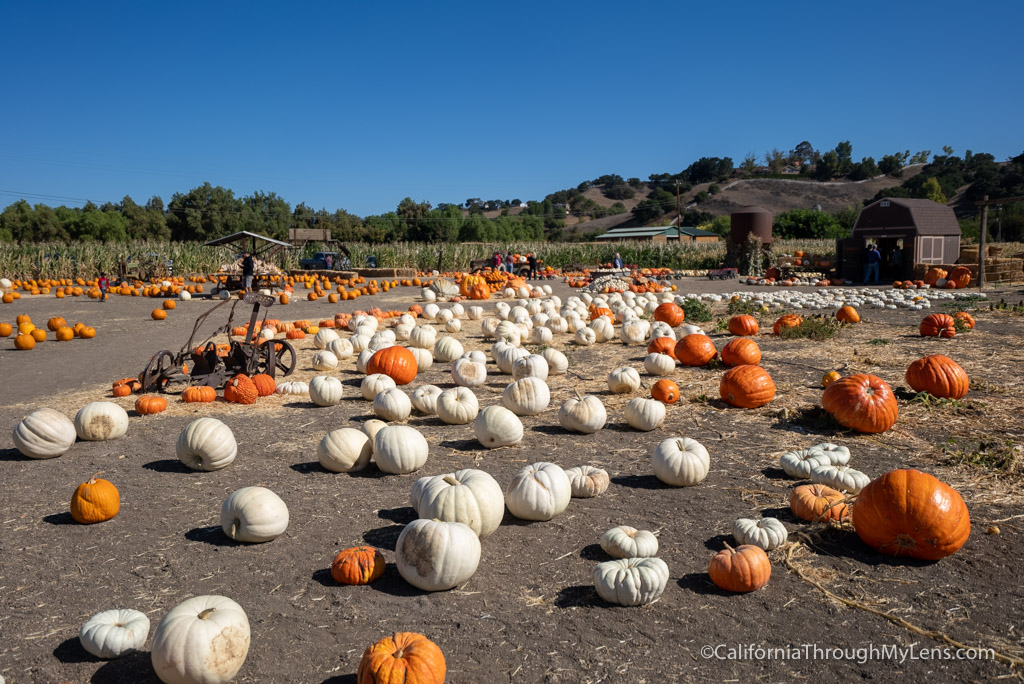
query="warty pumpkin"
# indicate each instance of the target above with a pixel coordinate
(241, 390)
(358, 565)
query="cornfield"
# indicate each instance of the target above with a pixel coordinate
(58, 260)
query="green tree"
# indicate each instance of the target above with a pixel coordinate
(204, 213)
(921, 157)
(807, 224)
(933, 191)
(827, 167)
(647, 211)
(844, 153)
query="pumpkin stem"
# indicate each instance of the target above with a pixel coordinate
(450, 479)
(729, 547)
(576, 391)
(92, 480)
(206, 613)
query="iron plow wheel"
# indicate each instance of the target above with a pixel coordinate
(276, 357)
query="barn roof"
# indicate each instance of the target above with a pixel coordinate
(915, 216)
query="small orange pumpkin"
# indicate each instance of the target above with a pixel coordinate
(745, 568)
(818, 503)
(743, 325)
(95, 501)
(665, 391)
(787, 321)
(158, 314)
(121, 390)
(358, 565)
(149, 404)
(200, 394)
(847, 314)
(695, 350)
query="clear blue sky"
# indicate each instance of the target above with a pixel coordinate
(357, 105)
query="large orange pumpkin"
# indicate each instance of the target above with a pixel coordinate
(818, 503)
(861, 402)
(741, 351)
(95, 501)
(241, 390)
(745, 568)
(406, 657)
(358, 565)
(935, 274)
(847, 314)
(265, 384)
(144, 406)
(663, 345)
(695, 350)
(747, 387)
(910, 513)
(743, 324)
(398, 363)
(670, 313)
(787, 321)
(599, 311)
(939, 376)
(938, 325)
(961, 275)
(200, 394)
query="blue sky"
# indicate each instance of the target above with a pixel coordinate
(356, 105)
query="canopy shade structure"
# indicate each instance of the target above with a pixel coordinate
(257, 245)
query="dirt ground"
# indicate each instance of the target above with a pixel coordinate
(530, 613)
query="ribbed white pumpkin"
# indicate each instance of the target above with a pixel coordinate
(532, 366)
(341, 348)
(506, 357)
(628, 542)
(558, 364)
(324, 360)
(681, 462)
(363, 359)
(184, 295)
(585, 337)
(323, 337)
(424, 399)
(268, 333)
(101, 420)
(644, 414)
(403, 330)
(114, 633)
(798, 464)
(662, 329)
(359, 342)
(253, 514)
(541, 336)
(634, 331)
(587, 481)
(392, 405)
(371, 427)
(836, 454)
(496, 426)
(435, 555)
(585, 414)
(843, 478)
(558, 325)
(471, 497)
(526, 397)
(424, 358)
(443, 316)
(469, 373)
(690, 329)
(400, 449)
(624, 380)
(507, 331)
(631, 581)
(382, 339)
(767, 533)
(374, 384)
(206, 444)
(325, 390)
(44, 433)
(423, 336)
(453, 326)
(447, 349)
(292, 387)
(659, 364)
(539, 491)
(203, 640)
(344, 450)
(457, 406)
(604, 331)
(475, 313)
(488, 326)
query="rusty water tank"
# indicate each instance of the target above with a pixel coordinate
(756, 220)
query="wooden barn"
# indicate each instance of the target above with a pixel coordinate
(925, 231)
(658, 234)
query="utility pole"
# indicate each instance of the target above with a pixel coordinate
(981, 243)
(679, 215)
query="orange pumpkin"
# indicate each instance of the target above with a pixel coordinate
(56, 322)
(39, 335)
(87, 332)
(95, 501)
(861, 402)
(938, 325)
(121, 390)
(818, 503)
(743, 325)
(64, 334)
(265, 384)
(934, 274)
(741, 351)
(398, 363)
(24, 342)
(158, 314)
(939, 376)
(745, 568)
(148, 405)
(787, 321)
(169, 304)
(747, 387)
(5, 330)
(200, 394)
(961, 275)
(847, 314)
(830, 377)
(665, 391)
(358, 565)
(910, 513)
(670, 313)
(406, 657)
(663, 345)
(599, 311)
(695, 350)
(965, 320)
(241, 390)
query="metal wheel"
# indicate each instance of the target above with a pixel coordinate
(154, 378)
(284, 360)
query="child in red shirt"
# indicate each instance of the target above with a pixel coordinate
(103, 284)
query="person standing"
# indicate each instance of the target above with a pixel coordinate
(248, 270)
(329, 260)
(896, 259)
(497, 261)
(873, 259)
(531, 259)
(103, 284)
(617, 261)
(508, 262)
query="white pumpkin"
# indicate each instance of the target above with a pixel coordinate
(604, 331)
(532, 366)
(435, 555)
(488, 326)
(587, 481)
(427, 294)
(114, 633)
(344, 450)
(507, 331)
(836, 454)
(585, 414)
(423, 336)
(371, 427)
(659, 364)
(324, 337)
(506, 356)
(364, 359)
(631, 581)
(624, 380)
(392, 405)
(457, 406)
(634, 331)
(430, 311)
(767, 533)
(292, 387)
(403, 330)
(341, 348)
(324, 360)
(541, 336)
(101, 420)
(424, 399)
(526, 397)
(644, 414)
(475, 355)
(424, 359)
(662, 329)
(400, 449)
(359, 342)
(203, 640)
(843, 478)
(475, 313)
(374, 384)
(471, 497)
(44, 433)
(585, 337)
(469, 373)
(325, 390)
(496, 426)
(681, 462)
(447, 349)
(206, 444)
(184, 295)
(539, 491)
(557, 325)
(558, 364)
(628, 542)
(253, 514)
(798, 464)
(690, 329)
